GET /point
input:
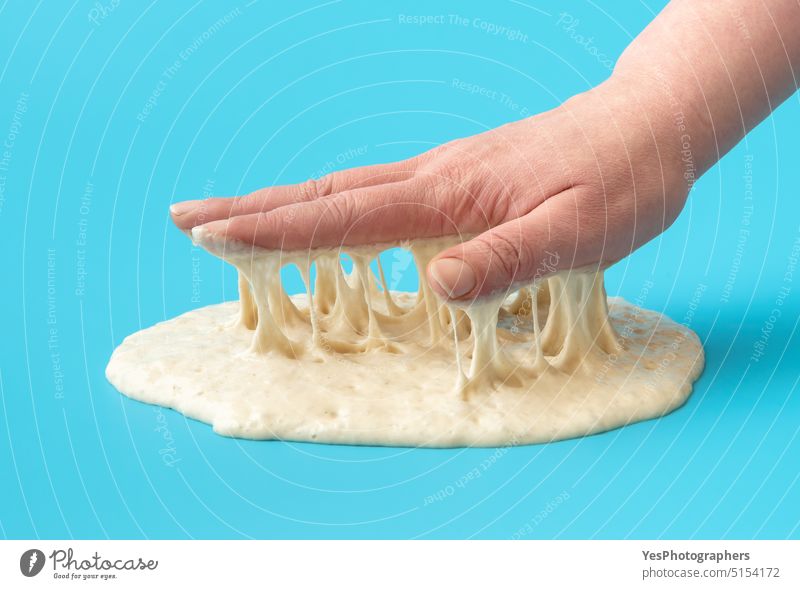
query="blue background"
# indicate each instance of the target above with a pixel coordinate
(280, 92)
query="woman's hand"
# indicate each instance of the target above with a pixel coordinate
(581, 185)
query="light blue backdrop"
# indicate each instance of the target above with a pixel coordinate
(110, 111)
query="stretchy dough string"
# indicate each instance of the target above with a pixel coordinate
(350, 361)
(341, 315)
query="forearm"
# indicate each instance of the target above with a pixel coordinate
(718, 68)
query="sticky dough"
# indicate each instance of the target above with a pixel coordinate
(352, 362)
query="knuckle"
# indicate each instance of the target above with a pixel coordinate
(594, 205)
(444, 162)
(242, 204)
(450, 172)
(504, 253)
(263, 221)
(338, 211)
(315, 188)
(447, 189)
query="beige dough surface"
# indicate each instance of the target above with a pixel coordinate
(358, 364)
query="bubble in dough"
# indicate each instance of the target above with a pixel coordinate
(352, 362)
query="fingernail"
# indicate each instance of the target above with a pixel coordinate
(210, 233)
(455, 277)
(181, 208)
(217, 227)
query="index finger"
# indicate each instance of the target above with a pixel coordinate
(191, 213)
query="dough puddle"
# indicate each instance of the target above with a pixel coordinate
(355, 363)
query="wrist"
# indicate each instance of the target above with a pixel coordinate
(678, 107)
(650, 104)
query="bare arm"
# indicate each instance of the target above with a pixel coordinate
(727, 65)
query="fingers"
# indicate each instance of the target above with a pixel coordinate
(563, 232)
(381, 213)
(191, 213)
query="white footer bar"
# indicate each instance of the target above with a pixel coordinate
(407, 565)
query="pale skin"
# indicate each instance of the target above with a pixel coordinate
(584, 184)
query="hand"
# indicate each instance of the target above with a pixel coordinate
(581, 185)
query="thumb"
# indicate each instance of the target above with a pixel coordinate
(516, 252)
